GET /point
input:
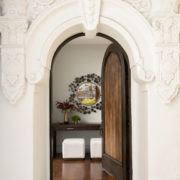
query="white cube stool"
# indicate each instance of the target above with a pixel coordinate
(96, 147)
(73, 148)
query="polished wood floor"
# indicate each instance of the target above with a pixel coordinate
(79, 170)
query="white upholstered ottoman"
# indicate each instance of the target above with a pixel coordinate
(73, 148)
(96, 147)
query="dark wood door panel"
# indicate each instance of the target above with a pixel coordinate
(116, 113)
(113, 109)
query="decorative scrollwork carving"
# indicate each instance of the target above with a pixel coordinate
(13, 80)
(14, 8)
(169, 80)
(143, 6)
(36, 7)
(13, 59)
(90, 16)
(140, 73)
(166, 29)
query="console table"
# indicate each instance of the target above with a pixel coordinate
(70, 127)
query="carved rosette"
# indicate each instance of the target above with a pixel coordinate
(166, 33)
(90, 16)
(12, 56)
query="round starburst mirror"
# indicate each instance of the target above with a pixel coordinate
(86, 93)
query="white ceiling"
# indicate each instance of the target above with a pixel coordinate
(84, 40)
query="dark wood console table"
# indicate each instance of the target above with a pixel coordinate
(69, 127)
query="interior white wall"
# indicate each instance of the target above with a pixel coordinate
(75, 60)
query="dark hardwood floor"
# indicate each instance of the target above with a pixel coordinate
(79, 170)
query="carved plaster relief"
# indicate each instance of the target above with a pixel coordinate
(169, 77)
(12, 56)
(14, 7)
(166, 29)
(13, 79)
(143, 6)
(166, 35)
(141, 74)
(36, 7)
(90, 10)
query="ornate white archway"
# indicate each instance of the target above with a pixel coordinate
(116, 19)
(57, 24)
(32, 30)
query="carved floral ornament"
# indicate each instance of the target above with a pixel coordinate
(12, 57)
(13, 78)
(169, 75)
(166, 34)
(89, 8)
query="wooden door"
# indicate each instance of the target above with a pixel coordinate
(116, 113)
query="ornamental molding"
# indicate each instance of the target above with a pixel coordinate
(36, 7)
(13, 58)
(14, 25)
(14, 7)
(168, 77)
(90, 10)
(141, 74)
(166, 36)
(166, 29)
(143, 6)
(13, 75)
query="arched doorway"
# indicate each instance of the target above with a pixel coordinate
(116, 126)
(55, 26)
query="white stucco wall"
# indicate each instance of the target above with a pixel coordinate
(145, 35)
(163, 139)
(16, 137)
